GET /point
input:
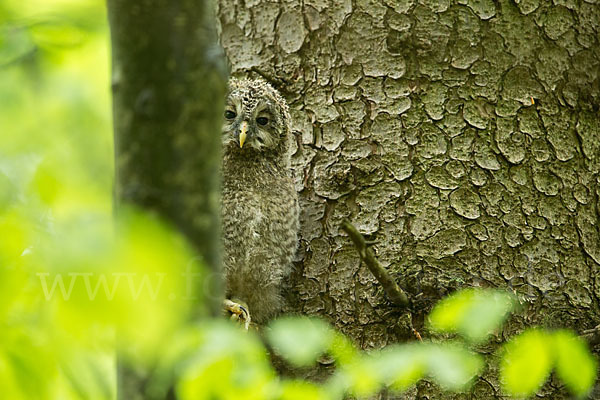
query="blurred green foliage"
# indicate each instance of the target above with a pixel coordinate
(474, 314)
(528, 359)
(55, 202)
(72, 274)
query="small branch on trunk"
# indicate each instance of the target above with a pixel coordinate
(391, 288)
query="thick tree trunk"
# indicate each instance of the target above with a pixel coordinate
(169, 82)
(464, 139)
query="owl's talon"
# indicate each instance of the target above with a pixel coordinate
(238, 312)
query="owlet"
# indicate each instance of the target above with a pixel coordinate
(259, 201)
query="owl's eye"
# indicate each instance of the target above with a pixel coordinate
(229, 114)
(262, 120)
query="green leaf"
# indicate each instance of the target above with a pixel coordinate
(17, 232)
(300, 340)
(58, 34)
(229, 364)
(452, 366)
(401, 366)
(362, 377)
(301, 390)
(575, 365)
(47, 183)
(342, 349)
(526, 362)
(88, 371)
(473, 313)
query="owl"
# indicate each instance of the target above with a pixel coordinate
(259, 201)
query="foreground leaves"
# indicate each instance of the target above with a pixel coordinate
(529, 358)
(300, 340)
(472, 313)
(228, 364)
(526, 363)
(232, 364)
(575, 366)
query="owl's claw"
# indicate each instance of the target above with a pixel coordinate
(237, 312)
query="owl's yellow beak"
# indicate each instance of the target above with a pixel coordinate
(243, 133)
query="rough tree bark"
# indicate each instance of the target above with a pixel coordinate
(167, 72)
(462, 137)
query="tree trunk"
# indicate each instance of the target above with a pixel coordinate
(167, 72)
(464, 139)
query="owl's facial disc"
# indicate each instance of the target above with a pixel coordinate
(250, 126)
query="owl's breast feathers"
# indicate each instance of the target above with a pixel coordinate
(260, 226)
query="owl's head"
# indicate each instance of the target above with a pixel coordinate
(256, 118)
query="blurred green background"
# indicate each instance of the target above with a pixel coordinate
(55, 167)
(61, 249)
(54, 85)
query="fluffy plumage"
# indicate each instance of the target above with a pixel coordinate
(260, 204)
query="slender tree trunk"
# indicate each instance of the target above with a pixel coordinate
(169, 83)
(463, 139)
